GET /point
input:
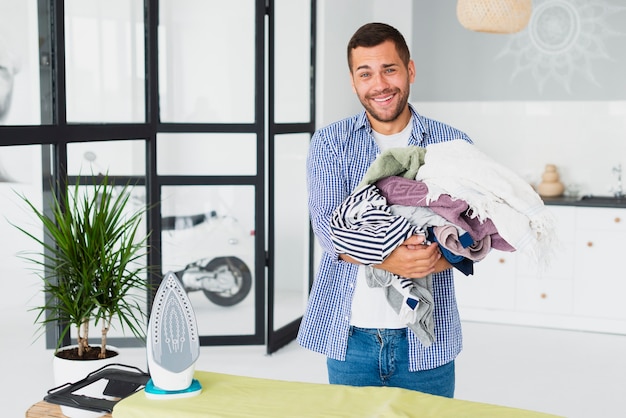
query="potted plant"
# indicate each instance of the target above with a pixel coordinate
(91, 265)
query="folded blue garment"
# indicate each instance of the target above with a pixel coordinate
(461, 263)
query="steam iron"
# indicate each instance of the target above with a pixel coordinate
(173, 345)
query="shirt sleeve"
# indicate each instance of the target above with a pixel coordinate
(326, 189)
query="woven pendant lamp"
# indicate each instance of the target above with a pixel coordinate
(494, 16)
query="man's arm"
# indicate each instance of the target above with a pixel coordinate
(411, 259)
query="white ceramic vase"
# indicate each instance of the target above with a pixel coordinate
(70, 371)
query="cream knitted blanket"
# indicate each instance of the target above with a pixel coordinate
(493, 191)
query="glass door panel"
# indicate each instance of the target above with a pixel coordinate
(208, 241)
(210, 164)
(207, 61)
(291, 228)
(292, 72)
(19, 63)
(115, 158)
(291, 90)
(217, 154)
(105, 64)
(21, 175)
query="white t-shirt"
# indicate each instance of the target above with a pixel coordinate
(370, 308)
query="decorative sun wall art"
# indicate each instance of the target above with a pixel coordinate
(570, 50)
(565, 38)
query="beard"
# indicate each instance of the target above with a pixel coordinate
(386, 115)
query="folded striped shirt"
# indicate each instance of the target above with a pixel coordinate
(364, 228)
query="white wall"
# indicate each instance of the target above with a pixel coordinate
(584, 139)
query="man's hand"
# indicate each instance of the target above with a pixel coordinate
(412, 259)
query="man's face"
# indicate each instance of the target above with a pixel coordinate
(382, 82)
(6, 88)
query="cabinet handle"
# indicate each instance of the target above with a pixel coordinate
(501, 260)
(617, 220)
(590, 244)
(544, 296)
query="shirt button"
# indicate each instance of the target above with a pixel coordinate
(346, 318)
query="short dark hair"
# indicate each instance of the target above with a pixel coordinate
(373, 34)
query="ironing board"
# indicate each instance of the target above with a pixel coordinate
(228, 396)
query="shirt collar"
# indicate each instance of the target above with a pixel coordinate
(417, 132)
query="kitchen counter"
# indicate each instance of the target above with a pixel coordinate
(587, 201)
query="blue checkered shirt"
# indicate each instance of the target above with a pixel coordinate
(339, 156)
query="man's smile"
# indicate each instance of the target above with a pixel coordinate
(384, 98)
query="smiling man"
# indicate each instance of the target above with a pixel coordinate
(381, 78)
(365, 341)
(8, 68)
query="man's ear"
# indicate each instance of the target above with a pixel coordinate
(352, 83)
(411, 68)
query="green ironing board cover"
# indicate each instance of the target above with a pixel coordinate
(228, 396)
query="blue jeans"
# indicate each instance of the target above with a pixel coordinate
(380, 357)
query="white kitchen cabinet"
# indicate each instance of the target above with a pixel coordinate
(583, 288)
(492, 286)
(541, 295)
(600, 280)
(549, 289)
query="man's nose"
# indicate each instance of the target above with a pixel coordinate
(380, 81)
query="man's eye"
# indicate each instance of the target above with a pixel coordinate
(364, 75)
(390, 70)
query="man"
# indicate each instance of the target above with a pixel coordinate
(8, 68)
(365, 341)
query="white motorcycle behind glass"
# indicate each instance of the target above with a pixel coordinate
(218, 270)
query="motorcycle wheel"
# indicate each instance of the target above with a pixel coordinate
(243, 280)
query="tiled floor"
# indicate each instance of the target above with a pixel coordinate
(573, 374)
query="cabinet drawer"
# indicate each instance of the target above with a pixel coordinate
(496, 264)
(492, 286)
(600, 282)
(601, 218)
(544, 295)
